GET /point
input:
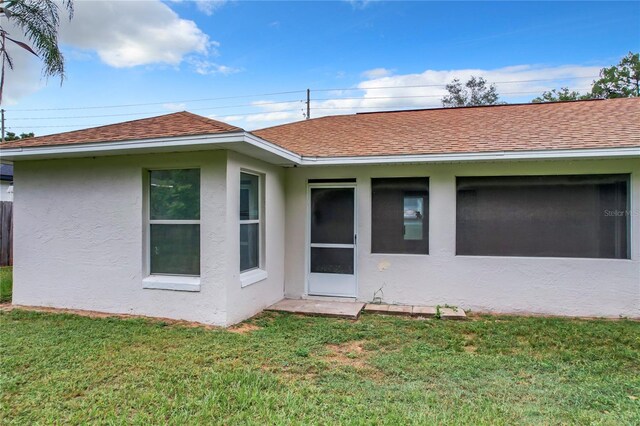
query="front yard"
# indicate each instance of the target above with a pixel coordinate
(274, 369)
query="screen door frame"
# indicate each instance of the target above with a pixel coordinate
(314, 281)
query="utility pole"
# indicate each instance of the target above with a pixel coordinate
(2, 119)
(308, 106)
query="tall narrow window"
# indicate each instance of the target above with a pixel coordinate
(250, 221)
(400, 215)
(174, 222)
(550, 216)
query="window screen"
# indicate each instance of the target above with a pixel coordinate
(250, 221)
(400, 215)
(174, 222)
(547, 216)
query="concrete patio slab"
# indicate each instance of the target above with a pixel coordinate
(416, 311)
(375, 308)
(452, 314)
(319, 308)
(400, 309)
(424, 311)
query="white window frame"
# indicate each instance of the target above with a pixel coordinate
(179, 282)
(256, 274)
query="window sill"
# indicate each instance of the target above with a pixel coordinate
(170, 282)
(253, 276)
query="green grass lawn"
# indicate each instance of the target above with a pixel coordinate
(285, 369)
(6, 283)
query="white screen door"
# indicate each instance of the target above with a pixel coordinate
(332, 240)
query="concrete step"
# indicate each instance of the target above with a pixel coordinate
(327, 308)
(416, 311)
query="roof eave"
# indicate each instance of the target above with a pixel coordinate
(551, 154)
(240, 141)
(249, 144)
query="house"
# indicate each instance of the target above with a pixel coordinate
(514, 208)
(6, 182)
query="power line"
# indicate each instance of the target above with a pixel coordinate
(257, 105)
(159, 103)
(156, 112)
(107, 124)
(285, 93)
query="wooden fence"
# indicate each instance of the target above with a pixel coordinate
(6, 233)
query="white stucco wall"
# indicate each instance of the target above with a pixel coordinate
(244, 302)
(79, 233)
(559, 286)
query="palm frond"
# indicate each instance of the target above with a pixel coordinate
(39, 21)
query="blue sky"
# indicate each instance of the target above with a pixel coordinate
(168, 54)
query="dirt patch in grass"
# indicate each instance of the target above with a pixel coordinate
(244, 328)
(352, 355)
(349, 353)
(470, 349)
(469, 342)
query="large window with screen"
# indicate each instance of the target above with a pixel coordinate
(174, 222)
(545, 216)
(400, 215)
(250, 221)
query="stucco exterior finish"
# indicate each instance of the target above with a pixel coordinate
(80, 242)
(247, 301)
(558, 286)
(80, 237)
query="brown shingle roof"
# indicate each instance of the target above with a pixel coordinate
(169, 125)
(563, 125)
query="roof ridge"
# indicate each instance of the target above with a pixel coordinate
(399, 111)
(528, 127)
(107, 125)
(488, 106)
(208, 120)
(173, 124)
(305, 121)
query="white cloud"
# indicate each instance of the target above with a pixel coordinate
(208, 7)
(175, 106)
(122, 34)
(206, 67)
(359, 4)
(132, 33)
(391, 92)
(376, 73)
(26, 77)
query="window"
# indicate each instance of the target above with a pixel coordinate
(174, 222)
(400, 215)
(550, 216)
(250, 221)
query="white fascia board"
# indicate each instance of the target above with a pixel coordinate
(201, 142)
(272, 148)
(106, 147)
(555, 154)
(146, 145)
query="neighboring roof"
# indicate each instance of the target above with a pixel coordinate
(163, 126)
(612, 123)
(6, 172)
